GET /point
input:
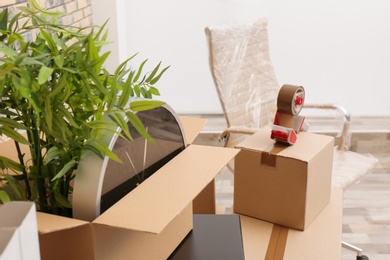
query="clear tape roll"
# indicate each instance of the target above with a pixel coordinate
(290, 99)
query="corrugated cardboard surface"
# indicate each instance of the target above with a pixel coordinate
(192, 127)
(321, 240)
(204, 203)
(116, 243)
(153, 218)
(286, 185)
(168, 191)
(65, 238)
(76, 243)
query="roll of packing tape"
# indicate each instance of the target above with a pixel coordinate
(290, 99)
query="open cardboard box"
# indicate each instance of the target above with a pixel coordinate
(18, 231)
(285, 185)
(148, 223)
(321, 240)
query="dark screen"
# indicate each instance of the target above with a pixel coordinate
(141, 158)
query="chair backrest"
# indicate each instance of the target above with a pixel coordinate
(243, 74)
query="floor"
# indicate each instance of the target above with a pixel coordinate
(366, 205)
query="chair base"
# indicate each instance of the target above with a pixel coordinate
(358, 250)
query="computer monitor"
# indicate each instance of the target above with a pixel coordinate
(100, 183)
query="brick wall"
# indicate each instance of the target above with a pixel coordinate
(79, 12)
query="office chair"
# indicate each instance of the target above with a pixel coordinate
(247, 88)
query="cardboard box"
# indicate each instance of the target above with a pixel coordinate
(204, 203)
(321, 240)
(148, 223)
(285, 185)
(18, 231)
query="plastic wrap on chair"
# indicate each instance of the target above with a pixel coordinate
(350, 167)
(243, 73)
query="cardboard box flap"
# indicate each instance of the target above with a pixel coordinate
(50, 223)
(9, 243)
(261, 141)
(153, 204)
(192, 127)
(13, 214)
(18, 231)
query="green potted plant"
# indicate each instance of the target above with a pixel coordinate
(54, 91)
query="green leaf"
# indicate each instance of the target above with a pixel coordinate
(101, 124)
(90, 147)
(124, 97)
(4, 19)
(48, 114)
(14, 135)
(4, 198)
(19, 59)
(104, 150)
(34, 4)
(12, 164)
(122, 65)
(30, 61)
(59, 60)
(98, 83)
(93, 54)
(52, 154)
(50, 42)
(61, 200)
(154, 91)
(139, 71)
(9, 192)
(101, 29)
(8, 51)
(138, 125)
(121, 122)
(67, 115)
(44, 74)
(57, 88)
(11, 123)
(127, 92)
(144, 92)
(68, 167)
(16, 187)
(150, 77)
(137, 90)
(154, 80)
(14, 20)
(142, 105)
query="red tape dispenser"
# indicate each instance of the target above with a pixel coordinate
(287, 123)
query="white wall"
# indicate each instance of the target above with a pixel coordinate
(339, 50)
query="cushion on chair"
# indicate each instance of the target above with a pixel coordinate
(350, 167)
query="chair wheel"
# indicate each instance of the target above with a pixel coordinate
(362, 257)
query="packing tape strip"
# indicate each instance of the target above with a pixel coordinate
(277, 243)
(269, 155)
(287, 99)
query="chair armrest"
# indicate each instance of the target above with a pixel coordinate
(345, 137)
(236, 130)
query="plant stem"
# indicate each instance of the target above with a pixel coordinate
(38, 162)
(25, 176)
